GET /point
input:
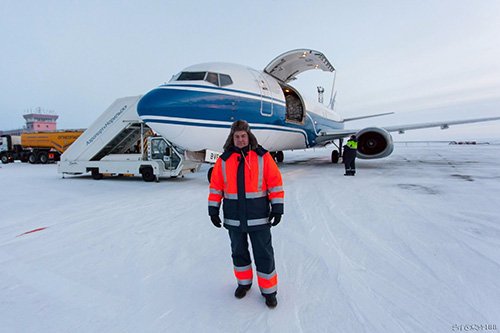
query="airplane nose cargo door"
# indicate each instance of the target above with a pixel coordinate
(266, 101)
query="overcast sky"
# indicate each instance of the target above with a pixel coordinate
(425, 60)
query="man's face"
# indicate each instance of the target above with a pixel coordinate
(240, 139)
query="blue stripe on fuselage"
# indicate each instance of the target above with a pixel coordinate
(223, 107)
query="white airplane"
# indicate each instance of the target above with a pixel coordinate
(197, 107)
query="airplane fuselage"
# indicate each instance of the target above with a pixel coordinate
(197, 107)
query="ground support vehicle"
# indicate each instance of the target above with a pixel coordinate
(36, 147)
(119, 143)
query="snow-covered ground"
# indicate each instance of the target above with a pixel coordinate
(411, 244)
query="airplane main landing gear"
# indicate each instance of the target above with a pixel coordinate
(335, 156)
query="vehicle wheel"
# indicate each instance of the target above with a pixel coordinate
(280, 156)
(32, 158)
(148, 175)
(43, 157)
(96, 175)
(5, 159)
(209, 174)
(335, 156)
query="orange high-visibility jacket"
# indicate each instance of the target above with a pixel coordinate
(249, 182)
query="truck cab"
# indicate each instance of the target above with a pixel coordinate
(11, 149)
(4, 148)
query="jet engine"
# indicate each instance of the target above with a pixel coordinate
(374, 142)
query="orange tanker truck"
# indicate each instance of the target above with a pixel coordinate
(37, 147)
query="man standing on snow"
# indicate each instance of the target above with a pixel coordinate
(349, 156)
(248, 181)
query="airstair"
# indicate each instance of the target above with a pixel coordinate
(123, 142)
(115, 144)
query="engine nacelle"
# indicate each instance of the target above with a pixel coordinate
(374, 142)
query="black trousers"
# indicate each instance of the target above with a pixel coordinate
(262, 249)
(351, 166)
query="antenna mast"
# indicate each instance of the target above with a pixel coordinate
(333, 95)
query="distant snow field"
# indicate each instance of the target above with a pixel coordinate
(410, 244)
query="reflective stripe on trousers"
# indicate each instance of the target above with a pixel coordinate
(244, 275)
(268, 283)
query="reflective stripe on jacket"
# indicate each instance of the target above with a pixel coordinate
(247, 184)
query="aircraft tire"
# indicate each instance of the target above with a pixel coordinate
(335, 156)
(280, 156)
(209, 173)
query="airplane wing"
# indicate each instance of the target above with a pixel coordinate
(442, 124)
(326, 137)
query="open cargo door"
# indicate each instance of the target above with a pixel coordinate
(288, 65)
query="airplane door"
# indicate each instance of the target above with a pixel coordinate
(266, 100)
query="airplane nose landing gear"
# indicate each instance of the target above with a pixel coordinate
(209, 173)
(278, 156)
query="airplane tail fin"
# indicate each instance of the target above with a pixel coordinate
(369, 116)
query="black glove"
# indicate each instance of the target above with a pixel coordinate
(216, 220)
(276, 217)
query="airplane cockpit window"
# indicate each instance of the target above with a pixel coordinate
(225, 80)
(191, 76)
(212, 78)
(219, 80)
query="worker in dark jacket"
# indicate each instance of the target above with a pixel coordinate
(248, 182)
(349, 156)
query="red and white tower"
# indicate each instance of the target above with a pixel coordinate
(40, 122)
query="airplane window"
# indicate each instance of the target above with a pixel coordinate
(225, 80)
(191, 76)
(212, 78)
(174, 77)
